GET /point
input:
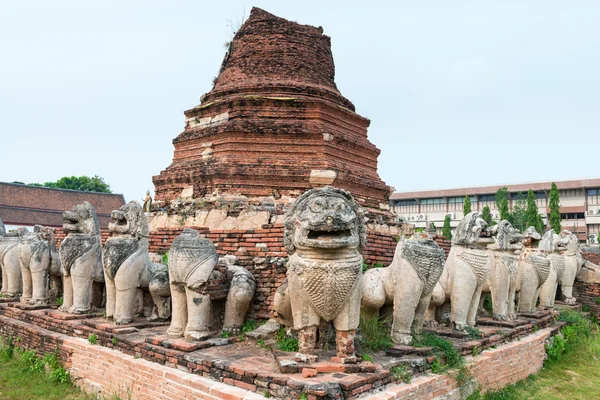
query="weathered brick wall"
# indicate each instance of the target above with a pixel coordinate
(493, 369)
(112, 373)
(444, 243)
(589, 293)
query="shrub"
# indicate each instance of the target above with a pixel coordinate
(93, 338)
(286, 342)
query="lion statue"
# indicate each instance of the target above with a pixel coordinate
(501, 282)
(565, 257)
(193, 267)
(534, 268)
(324, 236)
(128, 271)
(466, 271)
(12, 281)
(406, 285)
(81, 260)
(39, 261)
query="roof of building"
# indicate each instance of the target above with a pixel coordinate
(272, 56)
(522, 187)
(29, 205)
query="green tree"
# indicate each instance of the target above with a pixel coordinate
(85, 183)
(502, 203)
(446, 229)
(487, 216)
(532, 215)
(554, 218)
(466, 205)
(518, 215)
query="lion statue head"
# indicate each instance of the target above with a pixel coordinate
(81, 219)
(470, 230)
(129, 220)
(551, 241)
(506, 235)
(569, 242)
(324, 218)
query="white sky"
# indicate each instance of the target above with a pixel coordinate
(460, 93)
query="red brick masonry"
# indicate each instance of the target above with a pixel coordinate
(111, 372)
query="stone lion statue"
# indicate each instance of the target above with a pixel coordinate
(466, 270)
(324, 235)
(12, 282)
(566, 260)
(501, 282)
(193, 272)
(407, 285)
(81, 260)
(534, 268)
(39, 261)
(128, 271)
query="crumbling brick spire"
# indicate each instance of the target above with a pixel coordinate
(274, 123)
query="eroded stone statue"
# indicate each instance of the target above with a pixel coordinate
(12, 281)
(39, 261)
(324, 235)
(572, 261)
(465, 273)
(81, 260)
(552, 244)
(192, 267)
(128, 271)
(501, 282)
(407, 284)
(534, 268)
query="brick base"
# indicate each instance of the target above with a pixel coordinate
(492, 369)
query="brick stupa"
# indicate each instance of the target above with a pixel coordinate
(274, 123)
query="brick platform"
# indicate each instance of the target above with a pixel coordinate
(239, 363)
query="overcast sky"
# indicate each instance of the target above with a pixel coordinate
(459, 93)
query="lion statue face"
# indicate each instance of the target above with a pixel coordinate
(506, 235)
(569, 242)
(551, 242)
(81, 219)
(470, 231)
(129, 220)
(324, 218)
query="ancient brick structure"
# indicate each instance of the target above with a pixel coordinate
(274, 123)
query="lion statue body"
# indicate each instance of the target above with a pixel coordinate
(128, 271)
(12, 281)
(192, 267)
(534, 268)
(566, 260)
(466, 271)
(406, 285)
(501, 282)
(324, 235)
(81, 260)
(39, 262)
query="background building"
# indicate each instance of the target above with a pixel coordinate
(24, 205)
(579, 204)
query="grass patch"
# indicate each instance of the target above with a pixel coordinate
(375, 333)
(572, 370)
(23, 376)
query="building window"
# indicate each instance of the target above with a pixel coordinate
(593, 196)
(406, 206)
(569, 216)
(436, 204)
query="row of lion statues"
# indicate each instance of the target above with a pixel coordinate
(324, 236)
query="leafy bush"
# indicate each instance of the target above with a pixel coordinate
(249, 326)
(375, 333)
(286, 342)
(577, 329)
(401, 373)
(93, 338)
